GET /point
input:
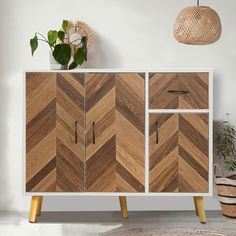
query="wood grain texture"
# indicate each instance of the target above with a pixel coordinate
(195, 83)
(40, 132)
(70, 149)
(179, 161)
(115, 105)
(54, 162)
(130, 132)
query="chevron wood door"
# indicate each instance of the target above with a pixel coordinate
(178, 147)
(178, 90)
(54, 132)
(114, 132)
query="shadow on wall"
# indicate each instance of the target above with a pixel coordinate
(217, 94)
(102, 52)
(105, 217)
(4, 139)
(217, 125)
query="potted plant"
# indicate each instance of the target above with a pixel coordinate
(61, 51)
(226, 184)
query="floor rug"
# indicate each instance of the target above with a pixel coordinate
(166, 232)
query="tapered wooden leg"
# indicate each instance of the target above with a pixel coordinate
(195, 204)
(34, 207)
(39, 206)
(123, 207)
(199, 201)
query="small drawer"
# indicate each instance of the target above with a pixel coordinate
(178, 90)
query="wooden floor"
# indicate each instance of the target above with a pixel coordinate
(95, 223)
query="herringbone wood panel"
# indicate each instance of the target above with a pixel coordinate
(179, 161)
(164, 87)
(130, 132)
(70, 152)
(54, 161)
(115, 132)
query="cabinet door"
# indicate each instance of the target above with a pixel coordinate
(54, 116)
(178, 90)
(114, 132)
(178, 145)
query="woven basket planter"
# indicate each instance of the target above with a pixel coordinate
(197, 25)
(226, 189)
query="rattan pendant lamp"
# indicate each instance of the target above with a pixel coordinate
(197, 25)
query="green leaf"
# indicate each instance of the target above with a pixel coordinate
(52, 36)
(73, 65)
(79, 56)
(61, 35)
(84, 46)
(62, 53)
(34, 44)
(65, 24)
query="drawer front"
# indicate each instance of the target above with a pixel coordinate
(178, 147)
(178, 91)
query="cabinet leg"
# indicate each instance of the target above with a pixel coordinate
(195, 204)
(123, 207)
(36, 203)
(39, 206)
(200, 209)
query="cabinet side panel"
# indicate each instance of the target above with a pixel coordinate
(40, 132)
(70, 132)
(130, 141)
(100, 132)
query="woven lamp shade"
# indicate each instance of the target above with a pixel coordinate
(197, 25)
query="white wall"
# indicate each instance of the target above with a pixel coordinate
(128, 34)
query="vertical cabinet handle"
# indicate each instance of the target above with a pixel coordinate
(76, 133)
(156, 132)
(94, 135)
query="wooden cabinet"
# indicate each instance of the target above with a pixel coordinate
(85, 132)
(178, 90)
(65, 109)
(178, 144)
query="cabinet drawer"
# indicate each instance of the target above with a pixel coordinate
(178, 91)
